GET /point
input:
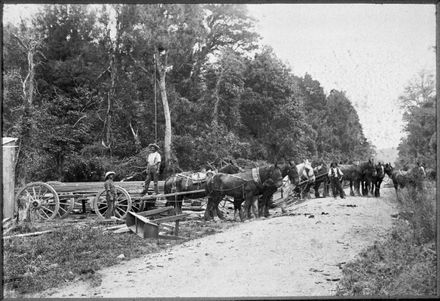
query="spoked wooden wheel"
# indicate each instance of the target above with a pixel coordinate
(122, 204)
(137, 206)
(67, 202)
(41, 200)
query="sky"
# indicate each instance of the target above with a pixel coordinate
(370, 51)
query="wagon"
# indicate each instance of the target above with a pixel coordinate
(47, 200)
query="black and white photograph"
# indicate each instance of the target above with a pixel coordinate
(219, 150)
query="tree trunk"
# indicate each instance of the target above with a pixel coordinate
(31, 75)
(161, 66)
(113, 78)
(217, 98)
(25, 135)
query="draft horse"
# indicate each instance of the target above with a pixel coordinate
(187, 182)
(243, 187)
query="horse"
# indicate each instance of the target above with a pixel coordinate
(321, 174)
(413, 177)
(368, 172)
(244, 186)
(377, 180)
(186, 182)
(361, 174)
(352, 174)
(288, 170)
(306, 177)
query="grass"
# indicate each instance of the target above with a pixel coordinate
(405, 263)
(72, 252)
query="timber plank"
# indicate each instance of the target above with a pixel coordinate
(169, 218)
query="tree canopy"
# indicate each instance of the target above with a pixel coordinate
(419, 104)
(82, 92)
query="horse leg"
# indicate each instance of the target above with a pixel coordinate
(261, 205)
(219, 213)
(178, 204)
(248, 204)
(316, 188)
(254, 207)
(356, 187)
(351, 188)
(326, 188)
(378, 188)
(208, 212)
(237, 208)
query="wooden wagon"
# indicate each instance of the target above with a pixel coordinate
(49, 200)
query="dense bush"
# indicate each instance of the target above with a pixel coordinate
(405, 263)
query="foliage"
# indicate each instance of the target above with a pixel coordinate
(34, 264)
(96, 80)
(419, 104)
(404, 263)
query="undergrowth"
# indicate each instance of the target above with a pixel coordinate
(34, 264)
(404, 264)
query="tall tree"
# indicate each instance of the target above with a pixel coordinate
(418, 103)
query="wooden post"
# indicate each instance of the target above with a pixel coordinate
(9, 205)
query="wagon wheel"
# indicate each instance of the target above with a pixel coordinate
(40, 199)
(122, 203)
(137, 206)
(67, 202)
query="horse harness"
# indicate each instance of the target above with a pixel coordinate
(255, 178)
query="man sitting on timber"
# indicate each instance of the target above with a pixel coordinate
(153, 166)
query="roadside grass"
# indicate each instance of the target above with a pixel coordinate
(77, 252)
(404, 264)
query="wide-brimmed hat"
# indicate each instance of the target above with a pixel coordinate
(154, 145)
(109, 173)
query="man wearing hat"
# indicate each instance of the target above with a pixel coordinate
(153, 165)
(110, 193)
(335, 176)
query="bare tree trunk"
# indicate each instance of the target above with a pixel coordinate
(162, 67)
(217, 98)
(30, 47)
(107, 133)
(31, 74)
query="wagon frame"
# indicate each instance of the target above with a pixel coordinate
(48, 200)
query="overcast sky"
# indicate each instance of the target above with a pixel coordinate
(370, 51)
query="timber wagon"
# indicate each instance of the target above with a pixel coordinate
(48, 200)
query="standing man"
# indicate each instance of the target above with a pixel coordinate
(153, 166)
(110, 194)
(335, 176)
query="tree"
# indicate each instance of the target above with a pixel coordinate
(28, 41)
(418, 103)
(346, 139)
(270, 109)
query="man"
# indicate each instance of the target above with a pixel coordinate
(335, 176)
(110, 193)
(153, 166)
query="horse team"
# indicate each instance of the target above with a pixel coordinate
(257, 185)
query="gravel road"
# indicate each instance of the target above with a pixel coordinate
(299, 254)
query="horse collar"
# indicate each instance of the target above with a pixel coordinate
(256, 175)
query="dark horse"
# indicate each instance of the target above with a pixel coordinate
(321, 174)
(288, 169)
(359, 175)
(244, 186)
(413, 177)
(378, 178)
(186, 182)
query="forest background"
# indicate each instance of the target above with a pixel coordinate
(86, 89)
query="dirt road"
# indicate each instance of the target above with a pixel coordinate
(295, 255)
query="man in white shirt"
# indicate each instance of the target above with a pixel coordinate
(335, 175)
(153, 166)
